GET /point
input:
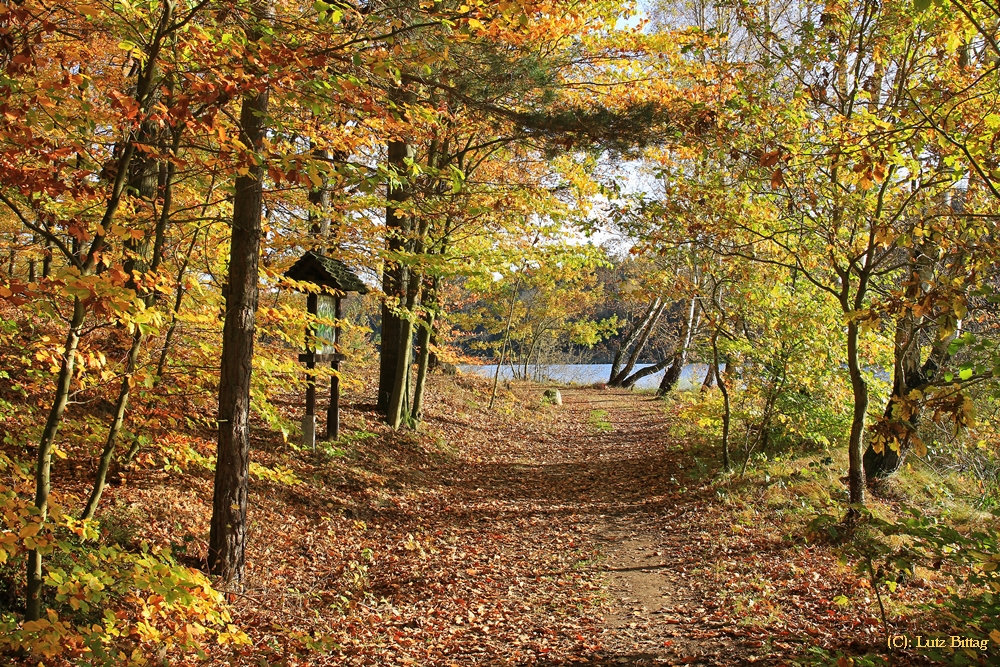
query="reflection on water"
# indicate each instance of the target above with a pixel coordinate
(691, 377)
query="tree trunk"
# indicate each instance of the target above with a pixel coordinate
(179, 295)
(319, 199)
(709, 380)
(161, 364)
(399, 401)
(159, 234)
(47, 260)
(648, 326)
(429, 301)
(630, 381)
(673, 374)
(726, 408)
(617, 374)
(423, 340)
(400, 390)
(506, 336)
(227, 540)
(856, 471)
(43, 458)
(33, 603)
(121, 406)
(907, 374)
(394, 275)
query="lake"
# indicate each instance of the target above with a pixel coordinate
(691, 377)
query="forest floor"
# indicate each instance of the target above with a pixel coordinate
(535, 534)
(586, 533)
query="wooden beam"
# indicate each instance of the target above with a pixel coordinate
(307, 357)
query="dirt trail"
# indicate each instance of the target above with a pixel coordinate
(604, 458)
(543, 536)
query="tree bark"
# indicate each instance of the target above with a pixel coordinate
(429, 301)
(394, 275)
(400, 389)
(104, 463)
(859, 388)
(673, 374)
(47, 260)
(649, 324)
(709, 380)
(618, 363)
(726, 407)
(630, 381)
(121, 405)
(43, 458)
(907, 374)
(227, 539)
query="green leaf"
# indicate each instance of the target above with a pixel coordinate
(922, 5)
(965, 373)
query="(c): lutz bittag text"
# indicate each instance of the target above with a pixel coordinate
(952, 641)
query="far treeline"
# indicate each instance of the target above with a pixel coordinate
(804, 197)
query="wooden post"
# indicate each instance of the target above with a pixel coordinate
(309, 420)
(333, 412)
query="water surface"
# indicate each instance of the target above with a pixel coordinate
(691, 377)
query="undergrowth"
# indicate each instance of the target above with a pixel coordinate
(924, 544)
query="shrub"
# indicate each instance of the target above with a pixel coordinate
(105, 605)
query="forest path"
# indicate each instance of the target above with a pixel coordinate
(531, 535)
(604, 462)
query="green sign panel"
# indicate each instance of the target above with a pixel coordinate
(325, 310)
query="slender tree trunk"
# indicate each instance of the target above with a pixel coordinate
(673, 374)
(856, 471)
(648, 326)
(709, 380)
(399, 405)
(227, 539)
(765, 425)
(726, 408)
(319, 215)
(43, 458)
(506, 335)
(617, 374)
(429, 301)
(161, 364)
(631, 380)
(47, 260)
(33, 604)
(121, 406)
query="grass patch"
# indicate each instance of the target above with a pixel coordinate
(599, 420)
